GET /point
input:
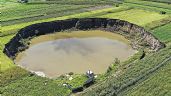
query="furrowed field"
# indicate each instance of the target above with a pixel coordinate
(149, 76)
(162, 1)
(163, 33)
(155, 84)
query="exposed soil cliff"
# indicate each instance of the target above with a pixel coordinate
(138, 35)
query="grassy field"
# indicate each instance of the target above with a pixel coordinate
(142, 77)
(20, 13)
(80, 15)
(162, 1)
(136, 16)
(152, 4)
(163, 33)
(148, 7)
(34, 86)
(38, 10)
(78, 2)
(131, 74)
(155, 84)
(5, 62)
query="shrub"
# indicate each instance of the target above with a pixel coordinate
(70, 73)
(109, 69)
(117, 5)
(162, 12)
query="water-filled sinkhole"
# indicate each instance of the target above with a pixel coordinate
(59, 53)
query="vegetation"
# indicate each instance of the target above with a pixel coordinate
(138, 14)
(80, 15)
(152, 4)
(131, 74)
(154, 85)
(12, 74)
(5, 62)
(162, 1)
(163, 33)
(32, 12)
(143, 74)
(34, 86)
(78, 2)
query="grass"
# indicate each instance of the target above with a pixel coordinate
(130, 74)
(78, 2)
(136, 16)
(5, 62)
(159, 84)
(34, 86)
(30, 10)
(130, 77)
(80, 15)
(152, 4)
(77, 80)
(150, 8)
(161, 1)
(163, 33)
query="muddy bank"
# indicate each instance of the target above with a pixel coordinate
(138, 35)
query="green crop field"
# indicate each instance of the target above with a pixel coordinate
(136, 16)
(155, 84)
(152, 4)
(163, 33)
(80, 15)
(162, 1)
(149, 76)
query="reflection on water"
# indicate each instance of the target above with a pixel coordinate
(74, 55)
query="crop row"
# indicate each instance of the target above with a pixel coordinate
(152, 4)
(78, 2)
(79, 15)
(150, 8)
(154, 85)
(163, 33)
(130, 74)
(162, 1)
(8, 16)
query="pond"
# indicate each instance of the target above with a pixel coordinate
(59, 56)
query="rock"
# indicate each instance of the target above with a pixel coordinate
(39, 73)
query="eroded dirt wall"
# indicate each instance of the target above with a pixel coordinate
(141, 36)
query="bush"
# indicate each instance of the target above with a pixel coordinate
(70, 73)
(162, 12)
(117, 5)
(109, 69)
